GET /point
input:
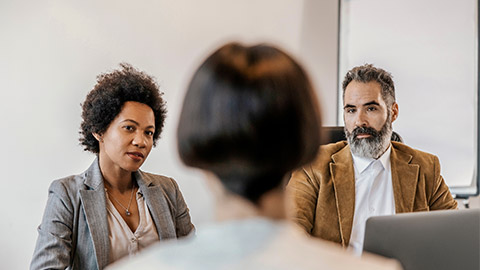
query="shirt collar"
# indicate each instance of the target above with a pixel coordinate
(361, 163)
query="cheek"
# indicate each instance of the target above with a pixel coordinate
(380, 121)
(348, 123)
(118, 142)
(150, 145)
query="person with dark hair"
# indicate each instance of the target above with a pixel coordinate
(113, 209)
(369, 174)
(249, 117)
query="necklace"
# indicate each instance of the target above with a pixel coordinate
(128, 213)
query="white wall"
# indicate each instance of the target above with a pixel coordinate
(433, 58)
(51, 52)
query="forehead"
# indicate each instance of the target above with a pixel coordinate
(136, 111)
(357, 93)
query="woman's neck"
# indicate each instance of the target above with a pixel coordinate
(116, 178)
(233, 207)
(272, 204)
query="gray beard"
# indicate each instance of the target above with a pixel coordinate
(374, 146)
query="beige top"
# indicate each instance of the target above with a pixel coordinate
(123, 241)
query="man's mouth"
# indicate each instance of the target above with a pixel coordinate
(363, 136)
(364, 133)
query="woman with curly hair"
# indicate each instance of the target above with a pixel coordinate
(113, 209)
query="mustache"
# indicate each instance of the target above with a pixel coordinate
(365, 130)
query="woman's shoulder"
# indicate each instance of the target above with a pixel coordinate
(69, 183)
(91, 178)
(163, 181)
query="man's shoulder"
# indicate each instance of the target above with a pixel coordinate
(325, 153)
(328, 150)
(332, 148)
(417, 156)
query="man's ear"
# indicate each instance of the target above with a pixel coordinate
(98, 136)
(394, 111)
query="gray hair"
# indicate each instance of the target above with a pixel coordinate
(367, 73)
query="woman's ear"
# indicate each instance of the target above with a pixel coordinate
(98, 137)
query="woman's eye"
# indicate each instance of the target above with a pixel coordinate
(149, 133)
(129, 128)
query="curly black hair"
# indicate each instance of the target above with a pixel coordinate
(106, 99)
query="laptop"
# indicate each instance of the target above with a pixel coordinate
(436, 240)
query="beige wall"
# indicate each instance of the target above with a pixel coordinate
(318, 50)
(51, 52)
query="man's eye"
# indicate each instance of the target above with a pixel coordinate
(350, 110)
(370, 109)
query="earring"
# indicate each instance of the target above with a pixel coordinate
(98, 137)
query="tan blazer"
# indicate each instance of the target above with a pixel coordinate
(323, 193)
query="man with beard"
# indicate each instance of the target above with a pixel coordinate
(367, 175)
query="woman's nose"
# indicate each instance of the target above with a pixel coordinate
(139, 140)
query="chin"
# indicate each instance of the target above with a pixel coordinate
(132, 167)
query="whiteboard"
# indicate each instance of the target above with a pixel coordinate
(431, 49)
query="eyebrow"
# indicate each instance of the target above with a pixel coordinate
(136, 123)
(371, 103)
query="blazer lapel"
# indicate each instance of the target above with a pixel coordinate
(404, 180)
(343, 177)
(94, 205)
(157, 205)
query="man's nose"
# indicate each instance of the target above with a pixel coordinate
(361, 119)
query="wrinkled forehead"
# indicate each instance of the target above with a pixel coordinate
(359, 93)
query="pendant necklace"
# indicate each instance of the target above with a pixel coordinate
(128, 213)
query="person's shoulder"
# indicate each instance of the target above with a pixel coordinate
(163, 181)
(407, 149)
(332, 256)
(417, 156)
(69, 183)
(325, 153)
(324, 156)
(68, 189)
(332, 148)
(314, 253)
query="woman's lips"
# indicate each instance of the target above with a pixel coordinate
(135, 156)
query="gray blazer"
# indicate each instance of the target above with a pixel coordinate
(74, 229)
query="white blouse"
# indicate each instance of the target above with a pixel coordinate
(123, 241)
